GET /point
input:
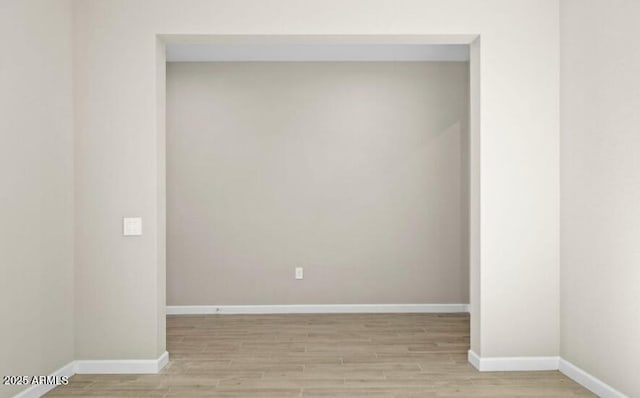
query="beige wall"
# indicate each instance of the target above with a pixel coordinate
(36, 192)
(601, 190)
(119, 170)
(355, 171)
(120, 281)
(473, 237)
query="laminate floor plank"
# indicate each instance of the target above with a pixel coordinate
(321, 356)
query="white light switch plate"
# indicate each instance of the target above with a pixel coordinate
(132, 226)
(299, 273)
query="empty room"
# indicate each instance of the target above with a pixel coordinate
(292, 198)
(353, 173)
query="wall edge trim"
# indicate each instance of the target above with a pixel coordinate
(316, 309)
(122, 366)
(589, 381)
(512, 364)
(580, 376)
(38, 390)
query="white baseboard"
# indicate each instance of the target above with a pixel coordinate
(591, 383)
(122, 366)
(316, 309)
(38, 390)
(512, 364)
(473, 359)
(588, 381)
(125, 366)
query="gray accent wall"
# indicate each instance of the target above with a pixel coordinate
(356, 171)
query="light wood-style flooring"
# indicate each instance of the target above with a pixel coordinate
(345, 355)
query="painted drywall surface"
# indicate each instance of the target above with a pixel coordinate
(354, 171)
(36, 193)
(600, 167)
(473, 201)
(117, 145)
(161, 236)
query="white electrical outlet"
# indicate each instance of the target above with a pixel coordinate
(299, 273)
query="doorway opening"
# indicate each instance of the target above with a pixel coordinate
(331, 177)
